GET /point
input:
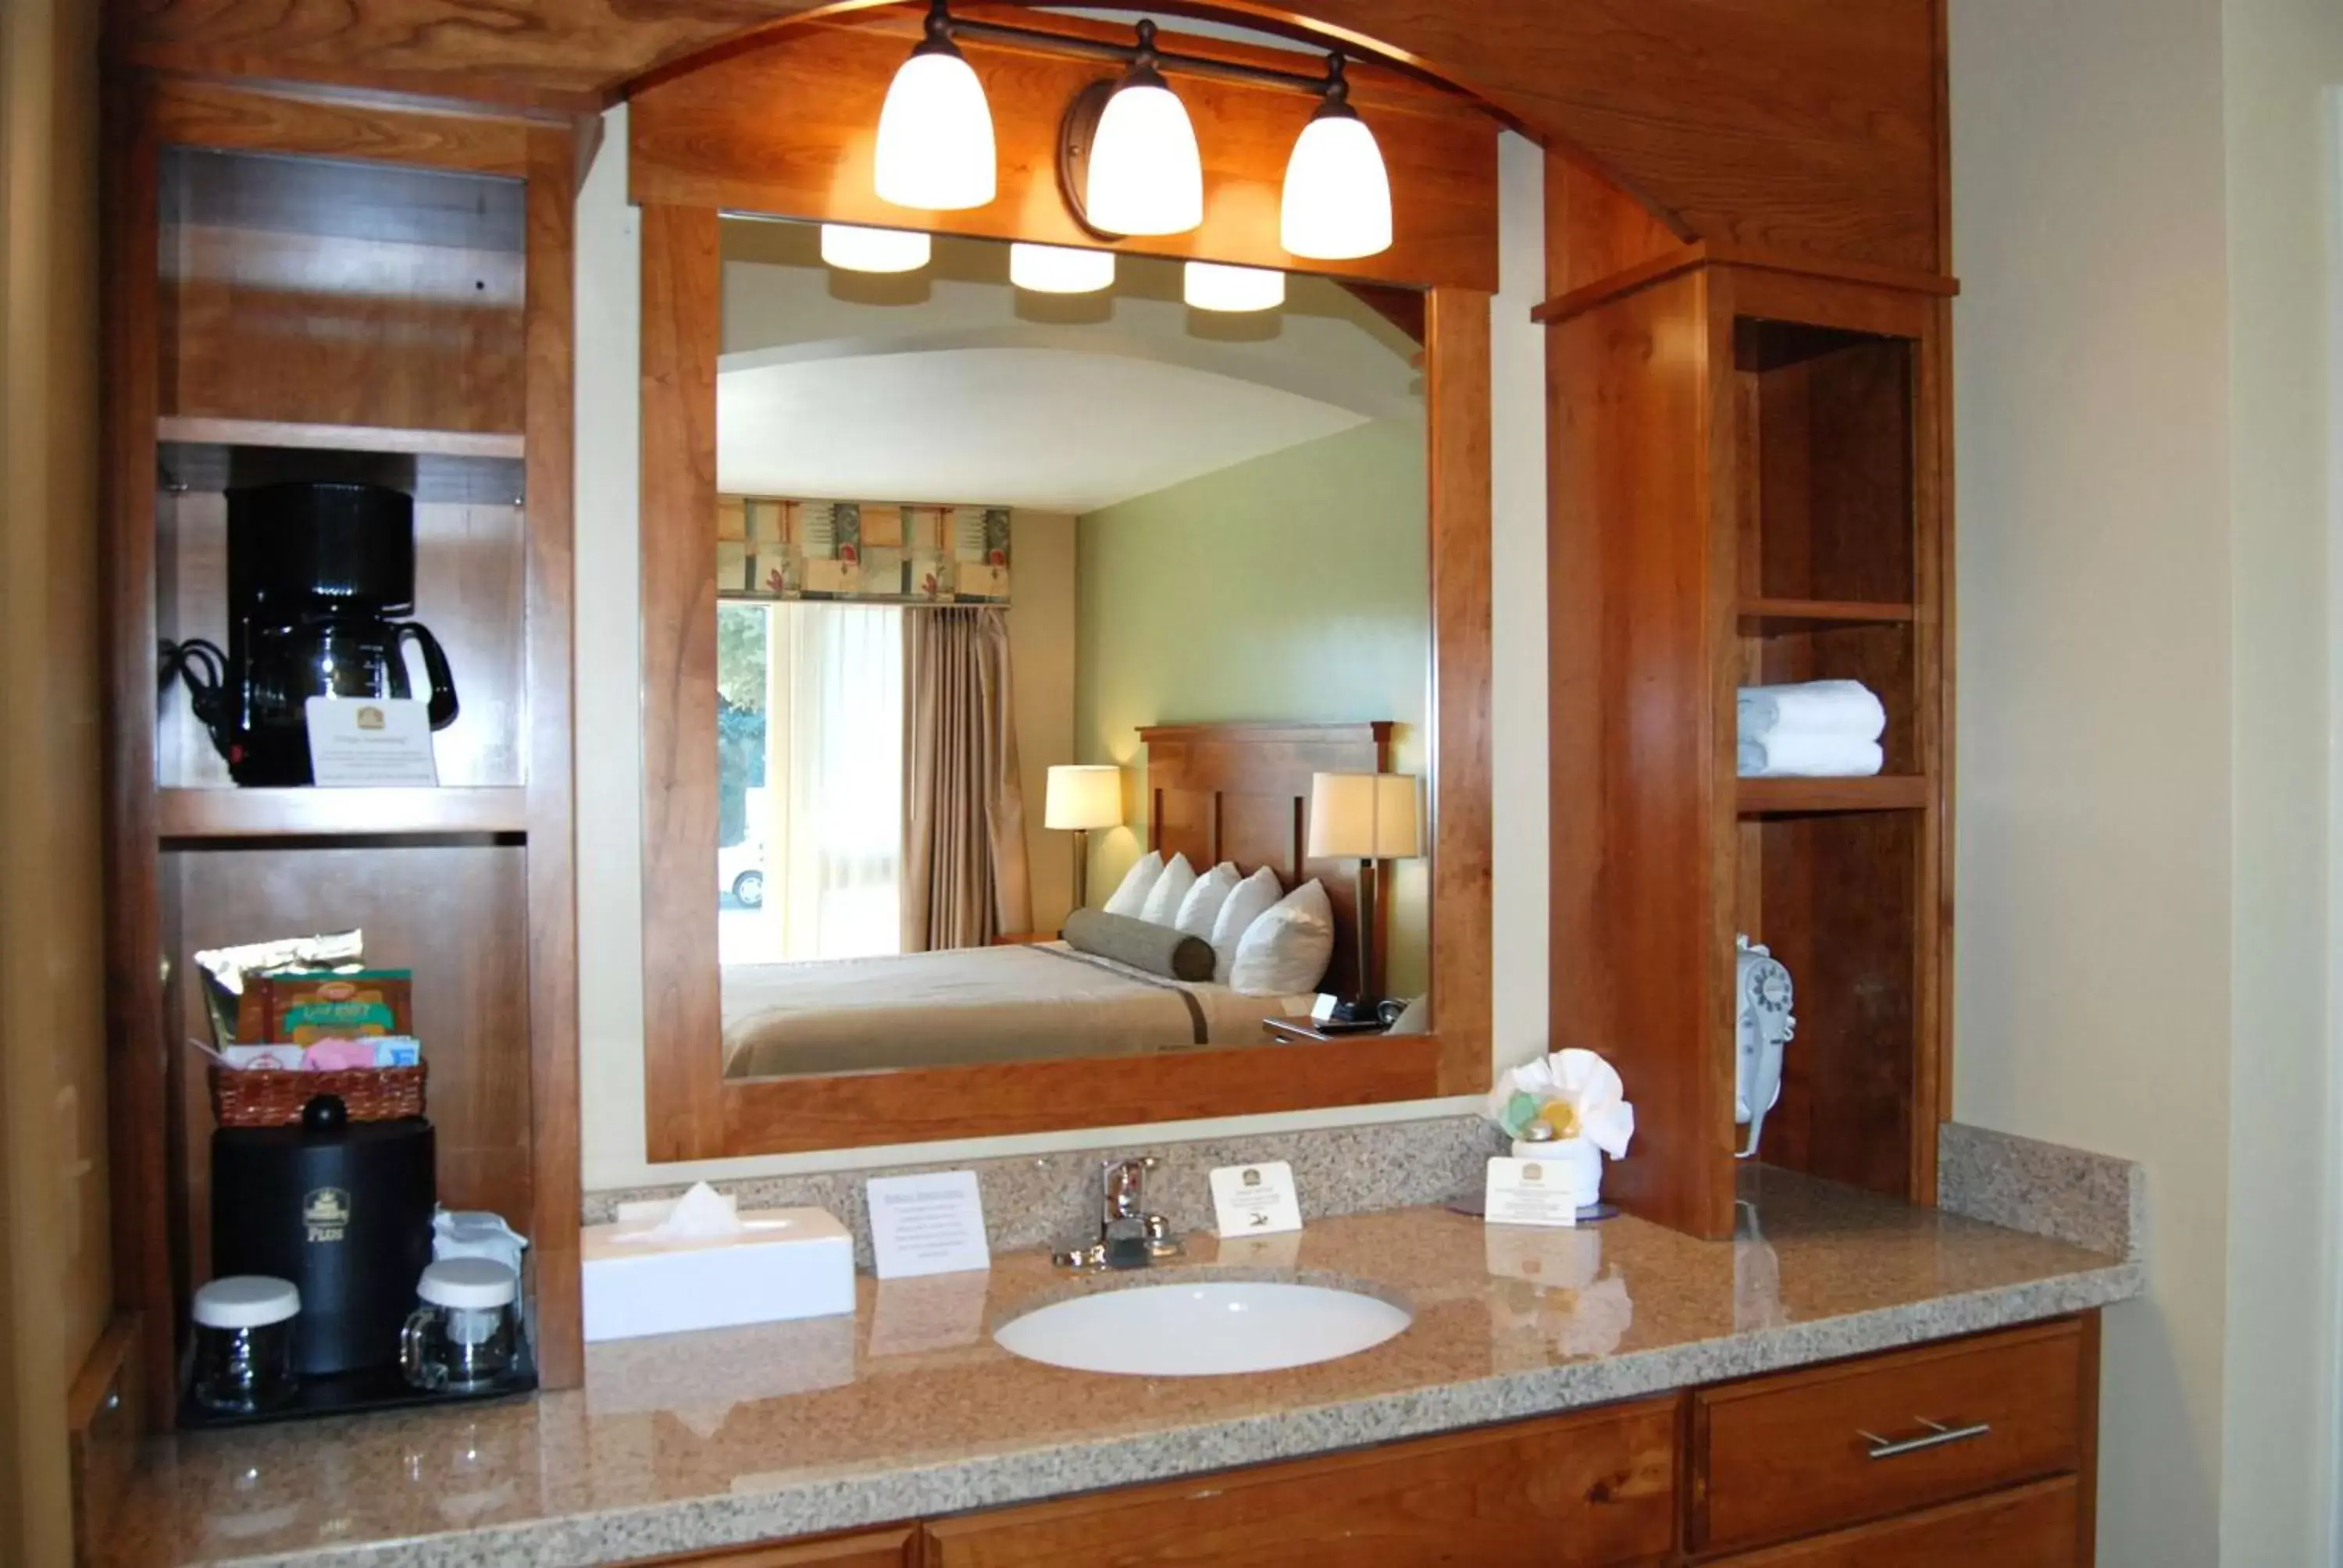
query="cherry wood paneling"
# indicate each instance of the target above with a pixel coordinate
(1804, 126)
(1590, 1490)
(104, 1426)
(683, 1023)
(1639, 574)
(231, 117)
(554, 1170)
(377, 296)
(227, 812)
(1835, 902)
(138, 1117)
(1785, 1455)
(1594, 230)
(1456, 397)
(2038, 1526)
(915, 1105)
(710, 138)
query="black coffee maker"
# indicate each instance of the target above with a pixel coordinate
(317, 571)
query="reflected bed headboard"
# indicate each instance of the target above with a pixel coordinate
(1241, 792)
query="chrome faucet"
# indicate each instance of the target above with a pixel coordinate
(1128, 1236)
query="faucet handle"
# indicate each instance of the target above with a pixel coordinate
(1159, 1242)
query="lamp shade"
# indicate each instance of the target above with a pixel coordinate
(1060, 268)
(935, 135)
(1213, 285)
(1363, 816)
(857, 249)
(1337, 205)
(1146, 175)
(1083, 795)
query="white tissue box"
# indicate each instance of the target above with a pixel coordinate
(783, 1264)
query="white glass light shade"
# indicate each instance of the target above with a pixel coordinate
(935, 137)
(873, 250)
(1146, 175)
(1083, 795)
(1210, 285)
(1363, 816)
(1337, 205)
(1060, 268)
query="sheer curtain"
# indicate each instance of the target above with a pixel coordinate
(836, 739)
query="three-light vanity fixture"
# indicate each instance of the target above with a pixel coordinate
(1128, 164)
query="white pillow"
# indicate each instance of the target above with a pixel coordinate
(1286, 951)
(1131, 894)
(1203, 905)
(1253, 898)
(1162, 904)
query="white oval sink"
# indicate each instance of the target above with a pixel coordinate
(1200, 1329)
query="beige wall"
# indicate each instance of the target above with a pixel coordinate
(1041, 660)
(609, 761)
(55, 1287)
(2144, 221)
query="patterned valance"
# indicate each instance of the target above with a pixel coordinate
(767, 548)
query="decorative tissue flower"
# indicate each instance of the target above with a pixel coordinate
(1575, 1093)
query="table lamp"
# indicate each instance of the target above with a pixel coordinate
(1373, 817)
(1083, 795)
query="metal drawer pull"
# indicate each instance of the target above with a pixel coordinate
(1937, 1435)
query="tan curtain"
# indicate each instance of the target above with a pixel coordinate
(964, 875)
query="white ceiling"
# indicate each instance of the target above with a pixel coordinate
(1054, 428)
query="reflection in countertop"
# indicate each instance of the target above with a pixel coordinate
(907, 1409)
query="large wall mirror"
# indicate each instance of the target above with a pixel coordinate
(1064, 666)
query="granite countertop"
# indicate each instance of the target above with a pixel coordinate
(907, 1409)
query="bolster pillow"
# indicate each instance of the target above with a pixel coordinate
(1143, 945)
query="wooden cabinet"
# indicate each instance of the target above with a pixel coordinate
(300, 289)
(1746, 490)
(1788, 1455)
(1784, 1471)
(2038, 1526)
(1587, 1490)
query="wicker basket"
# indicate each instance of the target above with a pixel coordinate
(257, 1097)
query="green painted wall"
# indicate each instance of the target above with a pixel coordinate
(1296, 587)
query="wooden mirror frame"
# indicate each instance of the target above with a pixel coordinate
(684, 177)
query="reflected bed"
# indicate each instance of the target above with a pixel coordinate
(967, 1005)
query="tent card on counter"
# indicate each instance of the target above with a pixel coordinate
(1530, 1192)
(927, 1224)
(1256, 1200)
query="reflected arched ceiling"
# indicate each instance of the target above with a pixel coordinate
(1056, 429)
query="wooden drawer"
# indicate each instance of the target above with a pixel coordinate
(1802, 1453)
(2034, 1526)
(1589, 1489)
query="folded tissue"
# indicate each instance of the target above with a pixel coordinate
(697, 1261)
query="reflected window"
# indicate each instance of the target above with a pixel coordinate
(809, 726)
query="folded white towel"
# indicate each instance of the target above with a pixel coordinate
(1802, 756)
(1814, 707)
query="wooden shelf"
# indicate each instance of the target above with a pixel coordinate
(199, 431)
(1890, 792)
(1764, 615)
(229, 813)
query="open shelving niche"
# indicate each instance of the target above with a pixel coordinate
(1832, 874)
(315, 319)
(1807, 545)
